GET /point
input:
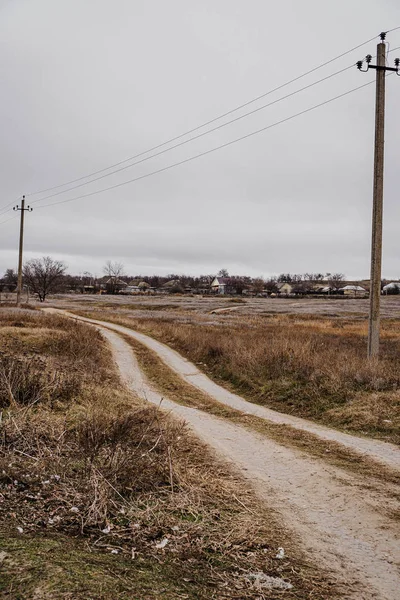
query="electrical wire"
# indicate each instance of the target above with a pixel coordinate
(3, 211)
(191, 158)
(213, 120)
(6, 210)
(202, 134)
(194, 129)
(387, 53)
(10, 219)
(195, 137)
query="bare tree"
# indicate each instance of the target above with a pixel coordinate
(271, 286)
(236, 285)
(10, 277)
(285, 278)
(8, 283)
(301, 287)
(258, 285)
(335, 280)
(297, 278)
(223, 273)
(42, 275)
(114, 270)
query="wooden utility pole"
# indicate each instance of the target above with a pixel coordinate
(377, 212)
(22, 209)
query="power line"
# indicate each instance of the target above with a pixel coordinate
(7, 209)
(10, 219)
(201, 134)
(307, 110)
(207, 122)
(7, 205)
(221, 146)
(204, 133)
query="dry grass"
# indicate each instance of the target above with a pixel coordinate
(98, 471)
(176, 389)
(306, 366)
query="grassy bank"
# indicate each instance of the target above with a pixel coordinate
(311, 367)
(105, 497)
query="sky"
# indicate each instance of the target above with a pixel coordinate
(88, 84)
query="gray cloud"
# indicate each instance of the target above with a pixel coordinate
(87, 84)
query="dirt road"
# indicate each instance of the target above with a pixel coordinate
(345, 526)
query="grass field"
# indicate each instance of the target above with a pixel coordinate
(93, 482)
(310, 365)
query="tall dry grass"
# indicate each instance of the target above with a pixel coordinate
(285, 364)
(308, 366)
(314, 371)
(97, 464)
(67, 412)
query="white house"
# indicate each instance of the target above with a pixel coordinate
(353, 290)
(284, 288)
(391, 288)
(219, 285)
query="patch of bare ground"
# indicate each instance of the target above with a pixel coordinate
(307, 366)
(106, 497)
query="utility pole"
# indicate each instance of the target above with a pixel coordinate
(377, 212)
(21, 208)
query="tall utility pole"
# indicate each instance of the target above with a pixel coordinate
(377, 212)
(21, 208)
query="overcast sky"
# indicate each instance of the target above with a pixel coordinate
(88, 83)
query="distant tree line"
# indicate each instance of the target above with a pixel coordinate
(46, 275)
(333, 280)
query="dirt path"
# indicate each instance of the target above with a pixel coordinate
(383, 452)
(340, 526)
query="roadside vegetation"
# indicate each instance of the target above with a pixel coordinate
(173, 387)
(105, 497)
(309, 366)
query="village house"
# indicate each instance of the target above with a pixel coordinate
(284, 288)
(354, 290)
(135, 286)
(391, 288)
(112, 285)
(218, 285)
(170, 287)
(222, 285)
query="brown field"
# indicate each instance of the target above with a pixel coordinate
(92, 480)
(333, 306)
(304, 357)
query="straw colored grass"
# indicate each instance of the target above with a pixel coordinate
(302, 365)
(175, 388)
(95, 477)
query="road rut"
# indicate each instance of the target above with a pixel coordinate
(382, 452)
(341, 527)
